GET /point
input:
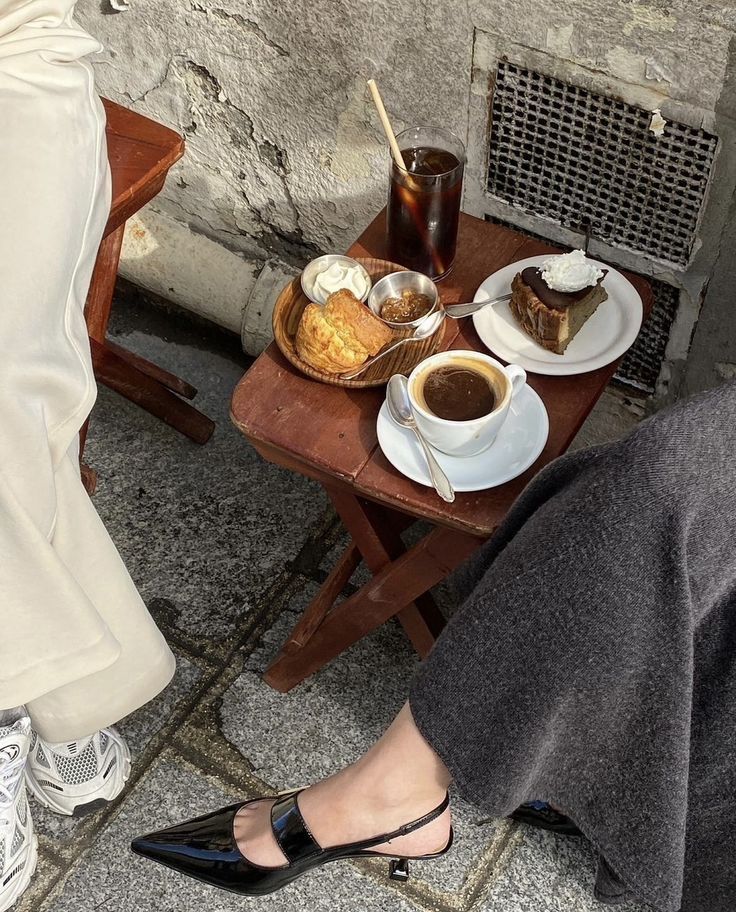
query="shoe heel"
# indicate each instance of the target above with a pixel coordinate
(398, 869)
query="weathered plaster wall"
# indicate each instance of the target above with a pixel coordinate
(285, 156)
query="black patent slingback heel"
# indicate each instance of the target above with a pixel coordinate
(205, 848)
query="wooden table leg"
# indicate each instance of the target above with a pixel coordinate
(134, 377)
(89, 478)
(101, 288)
(164, 377)
(99, 298)
(391, 589)
(376, 531)
(321, 605)
(123, 377)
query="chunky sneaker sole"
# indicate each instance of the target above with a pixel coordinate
(18, 844)
(77, 777)
(16, 881)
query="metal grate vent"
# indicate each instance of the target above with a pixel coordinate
(563, 153)
(642, 362)
(641, 365)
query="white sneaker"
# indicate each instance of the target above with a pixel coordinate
(18, 844)
(91, 771)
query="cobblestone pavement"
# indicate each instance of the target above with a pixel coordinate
(226, 550)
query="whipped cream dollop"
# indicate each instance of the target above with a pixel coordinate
(337, 276)
(570, 271)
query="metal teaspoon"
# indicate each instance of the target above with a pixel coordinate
(425, 329)
(399, 406)
(456, 311)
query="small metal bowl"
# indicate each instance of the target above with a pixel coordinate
(311, 270)
(392, 285)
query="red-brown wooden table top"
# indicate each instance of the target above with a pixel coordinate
(329, 433)
(141, 152)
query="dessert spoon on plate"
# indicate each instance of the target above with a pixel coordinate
(456, 311)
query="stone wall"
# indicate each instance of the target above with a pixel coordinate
(284, 153)
(285, 156)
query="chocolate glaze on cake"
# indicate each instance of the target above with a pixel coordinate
(557, 300)
(552, 318)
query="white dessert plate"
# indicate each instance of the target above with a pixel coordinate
(605, 336)
(519, 443)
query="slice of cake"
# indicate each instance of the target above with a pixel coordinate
(553, 301)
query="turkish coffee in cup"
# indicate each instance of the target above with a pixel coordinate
(461, 398)
(459, 390)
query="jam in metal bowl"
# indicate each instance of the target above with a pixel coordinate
(404, 299)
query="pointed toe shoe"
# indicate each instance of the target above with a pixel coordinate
(205, 848)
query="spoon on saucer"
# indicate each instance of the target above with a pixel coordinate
(456, 311)
(425, 329)
(399, 406)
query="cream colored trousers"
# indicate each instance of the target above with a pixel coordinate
(77, 645)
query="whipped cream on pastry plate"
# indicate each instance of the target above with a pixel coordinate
(570, 271)
(337, 276)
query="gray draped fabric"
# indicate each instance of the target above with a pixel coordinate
(593, 664)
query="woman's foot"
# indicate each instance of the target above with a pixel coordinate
(399, 780)
(399, 787)
(344, 809)
(206, 847)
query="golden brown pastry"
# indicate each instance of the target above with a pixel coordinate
(340, 335)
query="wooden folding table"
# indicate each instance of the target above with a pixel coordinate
(329, 433)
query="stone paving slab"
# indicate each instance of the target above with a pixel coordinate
(225, 520)
(541, 872)
(613, 416)
(48, 874)
(330, 719)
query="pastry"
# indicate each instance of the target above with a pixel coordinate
(552, 303)
(341, 335)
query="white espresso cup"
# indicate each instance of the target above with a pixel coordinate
(465, 438)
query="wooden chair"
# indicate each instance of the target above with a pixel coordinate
(141, 152)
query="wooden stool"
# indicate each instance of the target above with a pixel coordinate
(141, 152)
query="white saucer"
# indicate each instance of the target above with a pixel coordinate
(519, 443)
(605, 337)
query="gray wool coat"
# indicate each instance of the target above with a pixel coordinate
(593, 663)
